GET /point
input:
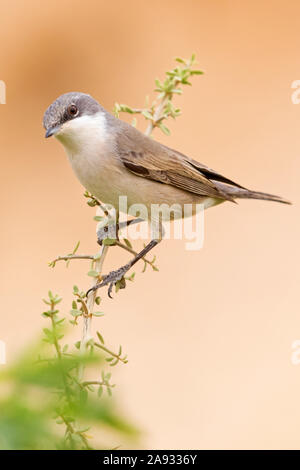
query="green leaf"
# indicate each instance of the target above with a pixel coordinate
(158, 84)
(147, 115)
(98, 314)
(164, 129)
(112, 364)
(76, 247)
(100, 337)
(47, 331)
(92, 203)
(126, 109)
(93, 273)
(75, 312)
(80, 431)
(178, 91)
(109, 241)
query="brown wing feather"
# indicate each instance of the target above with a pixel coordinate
(154, 161)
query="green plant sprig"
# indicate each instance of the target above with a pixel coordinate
(162, 108)
(73, 390)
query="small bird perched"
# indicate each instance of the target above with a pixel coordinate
(111, 159)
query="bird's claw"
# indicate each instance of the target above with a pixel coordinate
(111, 279)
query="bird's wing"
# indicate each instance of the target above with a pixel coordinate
(148, 159)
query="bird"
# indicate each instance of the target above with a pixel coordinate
(111, 158)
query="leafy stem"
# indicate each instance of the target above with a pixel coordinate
(162, 107)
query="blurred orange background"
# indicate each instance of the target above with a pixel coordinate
(209, 337)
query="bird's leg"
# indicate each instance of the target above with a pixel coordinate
(115, 276)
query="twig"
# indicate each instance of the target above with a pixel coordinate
(95, 382)
(92, 257)
(116, 356)
(156, 117)
(68, 257)
(87, 320)
(70, 431)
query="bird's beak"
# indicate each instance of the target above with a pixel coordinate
(52, 131)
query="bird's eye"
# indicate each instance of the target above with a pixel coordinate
(72, 110)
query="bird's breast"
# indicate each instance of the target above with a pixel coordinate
(93, 156)
(99, 172)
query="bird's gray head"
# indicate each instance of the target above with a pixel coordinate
(66, 109)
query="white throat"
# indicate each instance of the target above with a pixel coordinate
(89, 145)
(84, 133)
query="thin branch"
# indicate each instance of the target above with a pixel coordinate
(70, 431)
(68, 257)
(158, 112)
(156, 117)
(87, 319)
(116, 356)
(94, 382)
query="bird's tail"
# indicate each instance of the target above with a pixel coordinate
(247, 194)
(243, 193)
